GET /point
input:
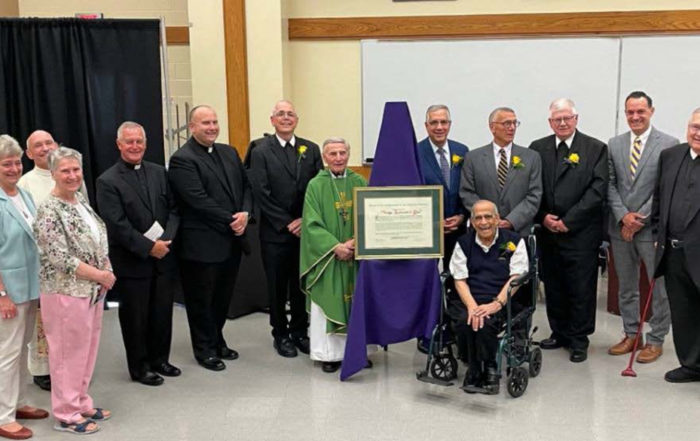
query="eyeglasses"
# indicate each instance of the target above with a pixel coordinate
(439, 122)
(508, 124)
(563, 119)
(694, 128)
(282, 114)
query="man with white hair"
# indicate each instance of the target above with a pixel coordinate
(575, 180)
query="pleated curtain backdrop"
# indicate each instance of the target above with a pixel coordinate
(80, 79)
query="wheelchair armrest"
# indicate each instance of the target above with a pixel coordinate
(521, 280)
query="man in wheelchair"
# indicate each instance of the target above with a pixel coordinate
(485, 260)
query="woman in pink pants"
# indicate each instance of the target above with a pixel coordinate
(74, 276)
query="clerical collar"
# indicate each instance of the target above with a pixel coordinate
(292, 141)
(131, 166)
(341, 176)
(209, 149)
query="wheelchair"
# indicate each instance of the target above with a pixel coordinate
(516, 346)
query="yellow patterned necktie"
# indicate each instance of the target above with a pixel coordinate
(635, 156)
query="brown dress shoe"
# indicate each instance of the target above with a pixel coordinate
(650, 353)
(22, 433)
(624, 347)
(36, 414)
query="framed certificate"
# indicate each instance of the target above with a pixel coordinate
(398, 222)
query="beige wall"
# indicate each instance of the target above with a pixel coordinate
(324, 76)
(9, 8)
(174, 11)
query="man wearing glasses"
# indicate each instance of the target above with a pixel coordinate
(281, 166)
(676, 221)
(575, 180)
(504, 173)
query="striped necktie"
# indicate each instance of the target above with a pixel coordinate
(444, 166)
(502, 169)
(635, 155)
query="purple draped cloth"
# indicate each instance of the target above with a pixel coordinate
(394, 300)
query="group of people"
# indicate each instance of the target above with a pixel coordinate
(192, 220)
(639, 188)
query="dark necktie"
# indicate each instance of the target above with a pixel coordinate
(444, 166)
(141, 178)
(502, 169)
(291, 156)
(562, 150)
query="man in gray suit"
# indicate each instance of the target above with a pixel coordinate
(633, 163)
(504, 173)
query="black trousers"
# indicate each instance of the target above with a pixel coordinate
(208, 289)
(684, 300)
(146, 318)
(571, 281)
(281, 261)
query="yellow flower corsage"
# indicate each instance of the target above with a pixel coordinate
(456, 159)
(573, 159)
(517, 162)
(510, 246)
(302, 152)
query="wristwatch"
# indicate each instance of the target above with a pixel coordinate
(3, 293)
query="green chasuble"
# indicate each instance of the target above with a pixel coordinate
(327, 222)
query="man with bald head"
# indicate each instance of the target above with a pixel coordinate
(214, 199)
(38, 183)
(281, 166)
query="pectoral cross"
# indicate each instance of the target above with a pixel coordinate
(342, 206)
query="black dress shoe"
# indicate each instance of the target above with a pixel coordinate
(552, 343)
(285, 347)
(578, 355)
(43, 381)
(330, 366)
(492, 383)
(302, 344)
(149, 379)
(473, 382)
(682, 375)
(167, 369)
(422, 346)
(227, 353)
(212, 363)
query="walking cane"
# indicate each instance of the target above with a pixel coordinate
(629, 372)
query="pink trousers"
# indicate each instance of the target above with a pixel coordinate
(72, 326)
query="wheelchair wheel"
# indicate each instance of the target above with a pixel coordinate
(443, 367)
(517, 382)
(535, 362)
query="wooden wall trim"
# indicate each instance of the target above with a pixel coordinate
(497, 25)
(364, 170)
(237, 74)
(177, 35)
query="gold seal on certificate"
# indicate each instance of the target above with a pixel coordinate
(398, 222)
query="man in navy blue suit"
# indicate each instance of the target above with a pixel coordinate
(441, 162)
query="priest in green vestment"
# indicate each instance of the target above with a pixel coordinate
(327, 260)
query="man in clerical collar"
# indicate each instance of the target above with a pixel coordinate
(327, 270)
(484, 262)
(138, 208)
(281, 166)
(214, 199)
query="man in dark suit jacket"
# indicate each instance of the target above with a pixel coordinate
(504, 173)
(214, 198)
(281, 166)
(676, 220)
(441, 162)
(136, 204)
(575, 179)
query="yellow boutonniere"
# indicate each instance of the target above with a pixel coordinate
(517, 162)
(302, 152)
(507, 249)
(510, 246)
(573, 159)
(456, 159)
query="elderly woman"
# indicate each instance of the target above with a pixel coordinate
(75, 275)
(19, 292)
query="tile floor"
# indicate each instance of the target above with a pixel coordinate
(262, 396)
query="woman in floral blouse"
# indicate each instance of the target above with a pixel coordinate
(75, 275)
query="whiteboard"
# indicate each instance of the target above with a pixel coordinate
(473, 77)
(668, 70)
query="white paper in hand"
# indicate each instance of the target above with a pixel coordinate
(154, 232)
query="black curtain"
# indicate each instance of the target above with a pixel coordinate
(79, 79)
